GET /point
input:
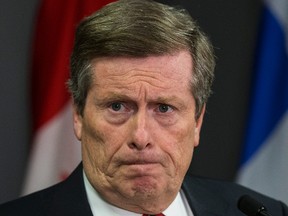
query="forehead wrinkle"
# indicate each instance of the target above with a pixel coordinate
(136, 83)
(156, 78)
(128, 87)
(142, 91)
(149, 73)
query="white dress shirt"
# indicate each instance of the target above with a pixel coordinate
(100, 207)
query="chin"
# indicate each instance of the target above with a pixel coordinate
(143, 186)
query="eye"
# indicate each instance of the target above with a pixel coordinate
(164, 108)
(116, 106)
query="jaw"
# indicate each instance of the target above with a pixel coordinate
(138, 194)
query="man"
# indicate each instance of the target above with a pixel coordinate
(141, 74)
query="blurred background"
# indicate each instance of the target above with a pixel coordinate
(233, 27)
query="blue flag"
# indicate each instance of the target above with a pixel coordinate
(264, 163)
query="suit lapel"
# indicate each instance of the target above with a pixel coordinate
(70, 198)
(202, 201)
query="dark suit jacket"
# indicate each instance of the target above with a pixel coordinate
(206, 198)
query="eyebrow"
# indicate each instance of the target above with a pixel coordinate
(171, 99)
(110, 97)
(103, 100)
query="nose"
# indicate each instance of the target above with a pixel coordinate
(140, 128)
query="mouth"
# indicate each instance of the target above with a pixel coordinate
(140, 167)
(134, 165)
(139, 159)
(139, 162)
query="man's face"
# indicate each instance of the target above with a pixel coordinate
(138, 129)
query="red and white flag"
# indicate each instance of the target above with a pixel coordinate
(55, 152)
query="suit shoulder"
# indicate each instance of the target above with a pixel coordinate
(65, 198)
(219, 186)
(229, 192)
(32, 204)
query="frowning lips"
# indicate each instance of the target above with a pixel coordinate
(140, 160)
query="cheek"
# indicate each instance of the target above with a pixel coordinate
(94, 147)
(181, 146)
(100, 143)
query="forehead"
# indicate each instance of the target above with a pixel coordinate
(172, 68)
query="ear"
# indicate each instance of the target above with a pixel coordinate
(77, 122)
(198, 126)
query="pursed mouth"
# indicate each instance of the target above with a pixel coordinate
(141, 169)
(139, 162)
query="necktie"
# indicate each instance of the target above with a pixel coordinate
(154, 215)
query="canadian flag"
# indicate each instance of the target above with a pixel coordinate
(55, 152)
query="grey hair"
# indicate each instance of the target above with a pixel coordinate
(140, 28)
